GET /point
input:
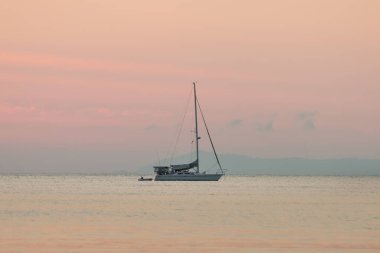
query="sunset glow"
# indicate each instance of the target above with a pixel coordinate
(276, 78)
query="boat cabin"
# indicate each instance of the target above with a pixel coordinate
(162, 170)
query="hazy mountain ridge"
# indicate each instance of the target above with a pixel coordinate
(294, 166)
(63, 161)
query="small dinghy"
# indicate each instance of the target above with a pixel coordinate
(145, 179)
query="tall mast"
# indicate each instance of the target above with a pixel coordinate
(196, 127)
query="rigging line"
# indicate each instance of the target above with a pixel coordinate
(209, 136)
(191, 154)
(158, 157)
(181, 127)
(212, 166)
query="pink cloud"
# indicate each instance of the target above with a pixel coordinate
(50, 61)
(104, 112)
(13, 109)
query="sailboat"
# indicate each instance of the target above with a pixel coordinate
(190, 171)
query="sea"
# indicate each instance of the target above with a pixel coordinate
(106, 213)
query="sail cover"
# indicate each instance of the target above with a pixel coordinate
(185, 166)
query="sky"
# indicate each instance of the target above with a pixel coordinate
(275, 78)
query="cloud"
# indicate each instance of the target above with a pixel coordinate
(235, 123)
(59, 62)
(151, 127)
(265, 127)
(105, 112)
(306, 115)
(307, 120)
(13, 109)
(308, 124)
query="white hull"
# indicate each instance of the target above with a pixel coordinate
(188, 177)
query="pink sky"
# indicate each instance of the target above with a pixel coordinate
(276, 78)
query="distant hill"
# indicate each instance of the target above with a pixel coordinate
(245, 165)
(117, 161)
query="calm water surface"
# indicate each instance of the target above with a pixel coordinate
(238, 214)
